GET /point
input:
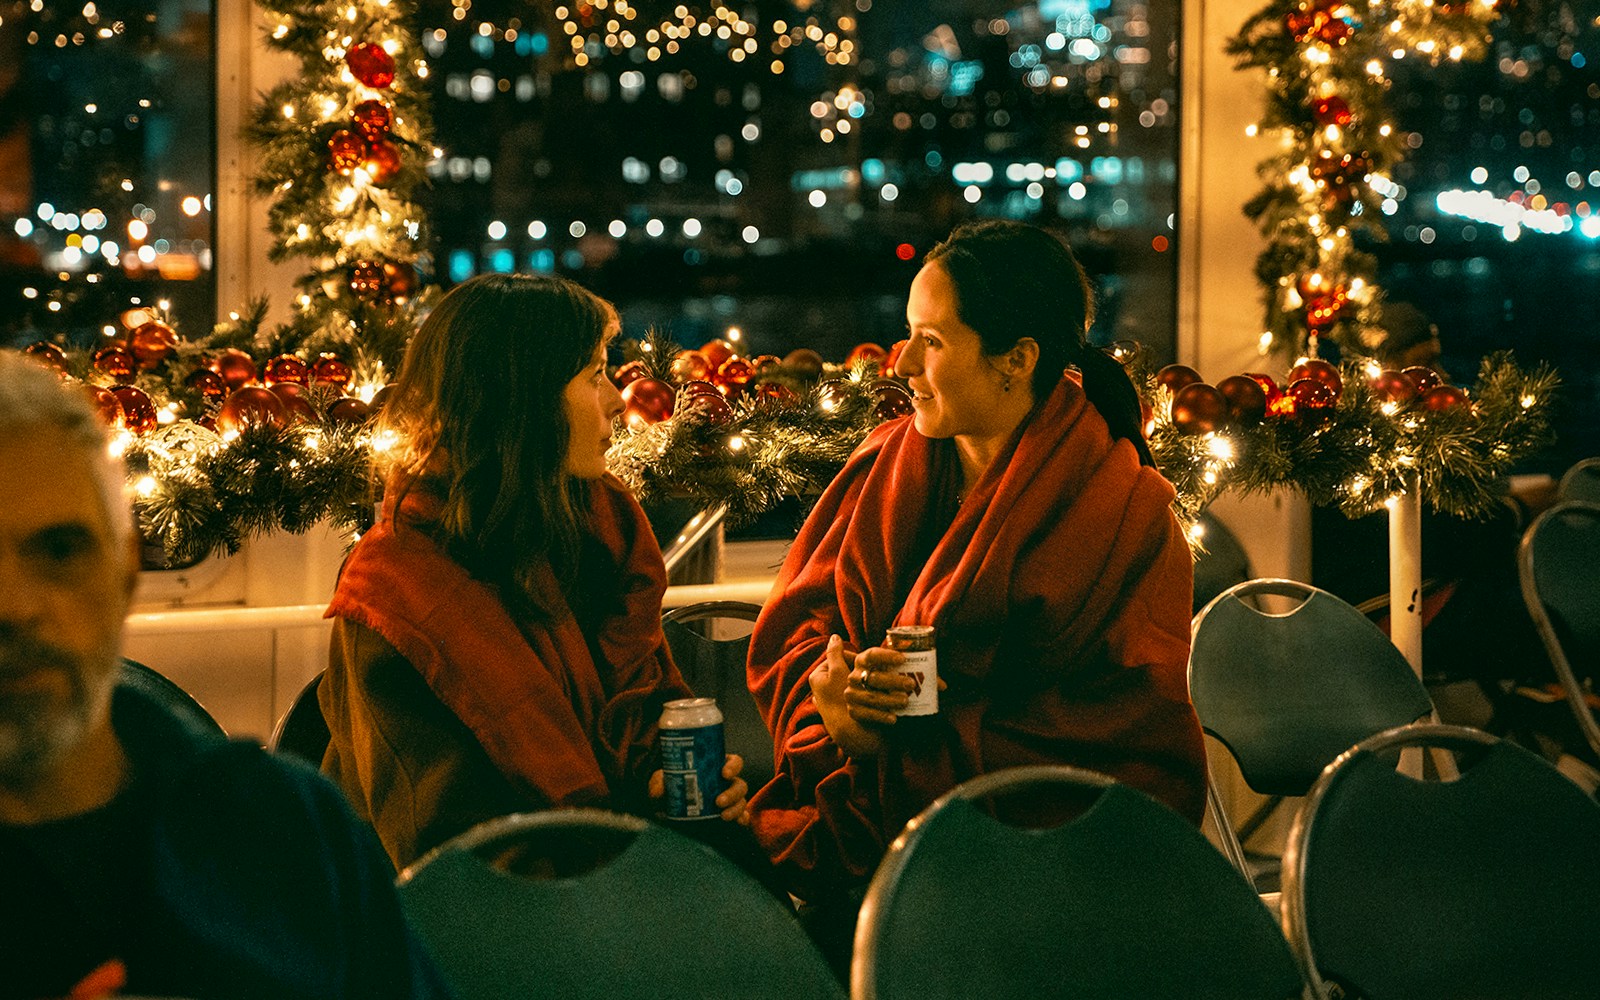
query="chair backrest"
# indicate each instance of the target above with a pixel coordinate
(1286, 693)
(303, 732)
(1559, 563)
(715, 668)
(1581, 482)
(161, 690)
(1127, 900)
(659, 916)
(1483, 886)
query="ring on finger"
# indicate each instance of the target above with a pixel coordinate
(861, 677)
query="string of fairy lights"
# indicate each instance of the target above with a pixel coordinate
(251, 429)
(1327, 67)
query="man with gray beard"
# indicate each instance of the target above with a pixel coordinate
(135, 855)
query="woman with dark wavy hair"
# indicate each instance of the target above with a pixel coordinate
(497, 643)
(1017, 510)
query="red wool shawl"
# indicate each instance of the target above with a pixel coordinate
(567, 725)
(1061, 594)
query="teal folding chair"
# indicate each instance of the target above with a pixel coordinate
(1581, 482)
(1126, 901)
(157, 688)
(591, 905)
(1559, 563)
(1484, 887)
(303, 732)
(715, 668)
(1288, 692)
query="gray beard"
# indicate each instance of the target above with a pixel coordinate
(30, 745)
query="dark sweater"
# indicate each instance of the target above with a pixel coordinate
(219, 871)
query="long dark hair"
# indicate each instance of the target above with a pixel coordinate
(478, 411)
(1013, 281)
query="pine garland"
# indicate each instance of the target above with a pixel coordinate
(1327, 102)
(355, 225)
(1368, 450)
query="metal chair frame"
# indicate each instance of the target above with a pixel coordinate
(1231, 845)
(1537, 609)
(304, 701)
(176, 698)
(1581, 482)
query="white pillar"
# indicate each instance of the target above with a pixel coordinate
(245, 68)
(1220, 311)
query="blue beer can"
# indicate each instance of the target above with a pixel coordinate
(692, 755)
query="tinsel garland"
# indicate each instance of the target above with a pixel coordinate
(1327, 103)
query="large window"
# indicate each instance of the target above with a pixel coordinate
(106, 164)
(782, 167)
(1495, 235)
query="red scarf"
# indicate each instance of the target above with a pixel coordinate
(568, 720)
(1061, 594)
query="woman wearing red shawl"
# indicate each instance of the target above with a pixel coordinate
(1017, 511)
(497, 642)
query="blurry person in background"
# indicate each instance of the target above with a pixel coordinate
(139, 856)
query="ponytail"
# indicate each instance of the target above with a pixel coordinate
(1111, 391)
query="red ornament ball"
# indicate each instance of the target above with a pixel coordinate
(890, 400)
(804, 362)
(716, 352)
(207, 383)
(346, 151)
(370, 65)
(699, 387)
(286, 368)
(1444, 397)
(382, 161)
(399, 280)
(381, 398)
(348, 410)
(249, 407)
(1392, 387)
(1313, 400)
(1333, 110)
(866, 352)
(105, 404)
(1273, 390)
(296, 410)
(647, 401)
(1322, 310)
(1175, 377)
(1246, 399)
(691, 366)
(894, 357)
(704, 406)
(115, 361)
(47, 353)
(1322, 371)
(366, 280)
(152, 342)
(630, 372)
(732, 376)
(1199, 408)
(330, 369)
(235, 366)
(374, 118)
(138, 413)
(1423, 377)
